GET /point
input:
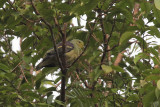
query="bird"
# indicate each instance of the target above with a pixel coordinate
(72, 51)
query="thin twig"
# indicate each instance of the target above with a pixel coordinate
(85, 83)
(58, 84)
(113, 26)
(104, 37)
(23, 74)
(17, 66)
(119, 58)
(59, 29)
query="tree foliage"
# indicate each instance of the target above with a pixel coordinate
(119, 66)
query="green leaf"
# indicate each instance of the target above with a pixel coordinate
(118, 68)
(64, 7)
(153, 51)
(50, 99)
(27, 59)
(50, 89)
(142, 42)
(156, 13)
(45, 10)
(152, 77)
(39, 81)
(10, 76)
(31, 94)
(27, 43)
(140, 24)
(133, 97)
(84, 7)
(114, 90)
(44, 105)
(2, 3)
(157, 4)
(127, 14)
(20, 97)
(25, 86)
(154, 31)
(106, 104)
(142, 83)
(67, 18)
(157, 92)
(158, 84)
(95, 75)
(140, 56)
(106, 69)
(146, 7)
(149, 98)
(126, 36)
(23, 30)
(59, 102)
(4, 67)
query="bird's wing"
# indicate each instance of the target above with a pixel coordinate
(50, 60)
(69, 47)
(51, 52)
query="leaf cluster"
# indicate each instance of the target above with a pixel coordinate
(119, 68)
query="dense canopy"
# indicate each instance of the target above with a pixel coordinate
(118, 67)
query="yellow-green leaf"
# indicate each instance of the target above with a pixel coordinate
(157, 4)
(158, 84)
(126, 36)
(106, 69)
(106, 104)
(157, 92)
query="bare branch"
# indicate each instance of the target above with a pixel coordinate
(17, 66)
(23, 74)
(119, 58)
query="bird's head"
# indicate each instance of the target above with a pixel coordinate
(78, 42)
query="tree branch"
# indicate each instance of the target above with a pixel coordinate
(119, 58)
(64, 70)
(111, 31)
(51, 31)
(62, 62)
(59, 29)
(104, 37)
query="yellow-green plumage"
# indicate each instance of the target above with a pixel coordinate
(72, 51)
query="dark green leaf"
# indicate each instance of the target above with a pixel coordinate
(50, 99)
(2, 3)
(27, 43)
(149, 98)
(3, 67)
(133, 97)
